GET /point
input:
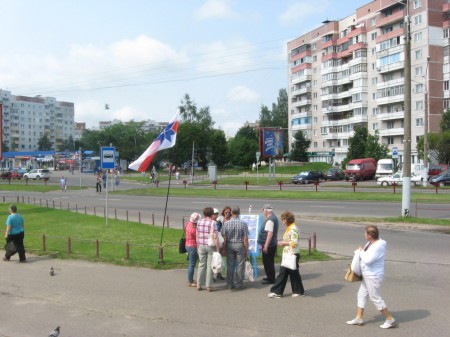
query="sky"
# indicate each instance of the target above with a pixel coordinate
(142, 56)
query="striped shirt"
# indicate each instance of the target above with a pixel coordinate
(235, 230)
(204, 229)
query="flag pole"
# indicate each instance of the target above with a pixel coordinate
(161, 255)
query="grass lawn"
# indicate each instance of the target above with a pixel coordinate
(85, 231)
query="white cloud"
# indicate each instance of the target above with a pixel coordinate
(302, 10)
(243, 94)
(215, 9)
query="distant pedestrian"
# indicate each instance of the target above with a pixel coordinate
(15, 232)
(98, 184)
(62, 184)
(104, 178)
(267, 239)
(116, 180)
(372, 269)
(177, 176)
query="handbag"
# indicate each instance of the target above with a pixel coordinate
(351, 276)
(249, 271)
(211, 238)
(182, 244)
(10, 248)
(216, 263)
(289, 261)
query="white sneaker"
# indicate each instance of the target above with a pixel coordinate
(389, 323)
(355, 321)
(297, 295)
(273, 295)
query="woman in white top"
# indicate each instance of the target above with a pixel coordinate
(372, 272)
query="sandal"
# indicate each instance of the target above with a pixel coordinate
(209, 289)
(194, 285)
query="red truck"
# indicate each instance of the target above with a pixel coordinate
(361, 169)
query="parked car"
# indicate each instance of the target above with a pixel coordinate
(361, 169)
(333, 174)
(435, 170)
(398, 178)
(307, 177)
(441, 179)
(37, 174)
(13, 174)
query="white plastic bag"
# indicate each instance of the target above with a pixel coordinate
(249, 271)
(356, 267)
(216, 264)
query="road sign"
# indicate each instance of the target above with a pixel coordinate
(394, 152)
(108, 157)
(258, 155)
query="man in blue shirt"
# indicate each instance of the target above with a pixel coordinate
(15, 233)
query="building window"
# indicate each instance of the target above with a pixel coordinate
(446, 103)
(389, 125)
(390, 140)
(315, 145)
(418, 54)
(373, 36)
(419, 121)
(419, 88)
(418, 71)
(374, 51)
(419, 105)
(446, 85)
(375, 126)
(417, 3)
(446, 35)
(374, 80)
(315, 120)
(418, 37)
(418, 19)
(373, 22)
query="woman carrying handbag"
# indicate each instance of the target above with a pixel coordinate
(291, 256)
(191, 247)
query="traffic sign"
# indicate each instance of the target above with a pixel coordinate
(108, 157)
(394, 152)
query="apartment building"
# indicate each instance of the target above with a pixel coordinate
(350, 73)
(26, 119)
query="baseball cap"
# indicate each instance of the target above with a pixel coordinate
(268, 207)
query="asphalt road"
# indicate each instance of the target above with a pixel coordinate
(93, 299)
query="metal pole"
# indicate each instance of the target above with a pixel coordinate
(425, 127)
(192, 164)
(80, 158)
(406, 190)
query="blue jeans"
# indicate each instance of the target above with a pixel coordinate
(193, 257)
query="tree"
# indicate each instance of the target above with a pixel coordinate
(219, 150)
(243, 147)
(445, 121)
(68, 144)
(299, 149)
(438, 143)
(374, 149)
(5, 147)
(44, 143)
(357, 144)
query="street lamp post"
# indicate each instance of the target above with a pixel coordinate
(425, 127)
(406, 191)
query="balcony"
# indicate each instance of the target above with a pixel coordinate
(301, 55)
(392, 83)
(301, 127)
(301, 67)
(301, 103)
(390, 35)
(391, 132)
(329, 56)
(390, 99)
(391, 115)
(388, 20)
(300, 79)
(329, 43)
(301, 91)
(391, 67)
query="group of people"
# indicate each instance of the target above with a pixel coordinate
(235, 247)
(203, 239)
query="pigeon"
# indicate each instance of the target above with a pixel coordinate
(52, 271)
(54, 333)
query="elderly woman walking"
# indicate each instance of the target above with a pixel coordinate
(372, 270)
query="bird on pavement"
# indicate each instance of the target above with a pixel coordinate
(54, 333)
(52, 271)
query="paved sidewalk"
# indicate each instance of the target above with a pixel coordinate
(94, 299)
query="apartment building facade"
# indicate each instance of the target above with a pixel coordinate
(26, 119)
(350, 73)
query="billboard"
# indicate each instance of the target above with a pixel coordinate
(271, 142)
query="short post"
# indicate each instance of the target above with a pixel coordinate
(161, 255)
(69, 246)
(46, 202)
(157, 183)
(167, 217)
(95, 211)
(139, 214)
(43, 243)
(394, 185)
(85, 209)
(185, 183)
(314, 241)
(76, 208)
(53, 204)
(115, 213)
(309, 246)
(280, 183)
(127, 214)
(214, 182)
(316, 183)
(354, 184)
(153, 218)
(246, 184)
(97, 248)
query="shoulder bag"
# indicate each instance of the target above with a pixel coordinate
(182, 244)
(350, 276)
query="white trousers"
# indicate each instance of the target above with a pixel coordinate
(371, 288)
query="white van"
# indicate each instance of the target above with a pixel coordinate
(385, 167)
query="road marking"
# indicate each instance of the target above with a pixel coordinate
(327, 206)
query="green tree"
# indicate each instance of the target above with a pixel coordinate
(219, 149)
(68, 144)
(44, 143)
(445, 121)
(243, 147)
(357, 144)
(299, 149)
(438, 143)
(374, 149)
(5, 147)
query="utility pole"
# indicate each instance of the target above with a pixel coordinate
(425, 127)
(406, 190)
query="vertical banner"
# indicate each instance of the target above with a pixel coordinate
(271, 142)
(253, 222)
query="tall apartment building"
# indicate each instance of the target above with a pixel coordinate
(350, 73)
(26, 119)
